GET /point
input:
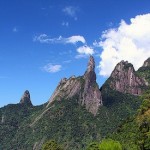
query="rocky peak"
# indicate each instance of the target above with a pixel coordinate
(125, 79)
(90, 72)
(26, 98)
(144, 71)
(85, 87)
(147, 63)
(91, 64)
(91, 95)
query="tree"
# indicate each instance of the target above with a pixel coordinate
(51, 145)
(93, 146)
(109, 144)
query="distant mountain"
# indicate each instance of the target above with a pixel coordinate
(78, 112)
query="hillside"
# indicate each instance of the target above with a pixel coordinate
(135, 132)
(76, 114)
(68, 123)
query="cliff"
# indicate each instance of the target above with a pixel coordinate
(85, 87)
(25, 100)
(125, 79)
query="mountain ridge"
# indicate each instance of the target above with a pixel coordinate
(84, 86)
(68, 120)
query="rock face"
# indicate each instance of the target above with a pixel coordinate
(84, 86)
(91, 93)
(144, 71)
(146, 63)
(125, 80)
(26, 98)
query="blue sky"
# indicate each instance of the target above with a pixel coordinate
(43, 41)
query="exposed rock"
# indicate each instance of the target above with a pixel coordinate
(146, 63)
(38, 145)
(26, 98)
(91, 93)
(125, 80)
(144, 71)
(84, 86)
(66, 88)
(3, 119)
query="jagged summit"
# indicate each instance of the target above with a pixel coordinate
(90, 71)
(146, 63)
(85, 87)
(91, 64)
(125, 79)
(26, 98)
(144, 71)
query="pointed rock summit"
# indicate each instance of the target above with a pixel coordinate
(91, 65)
(85, 87)
(91, 93)
(26, 98)
(125, 79)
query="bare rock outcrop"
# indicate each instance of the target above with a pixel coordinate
(84, 86)
(146, 63)
(91, 93)
(125, 79)
(26, 98)
(66, 88)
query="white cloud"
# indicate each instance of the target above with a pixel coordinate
(75, 39)
(129, 42)
(52, 68)
(84, 51)
(71, 11)
(43, 38)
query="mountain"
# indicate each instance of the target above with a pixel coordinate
(144, 71)
(134, 133)
(84, 86)
(12, 117)
(125, 79)
(146, 63)
(25, 100)
(77, 113)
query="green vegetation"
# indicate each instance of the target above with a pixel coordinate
(93, 146)
(68, 122)
(14, 116)
(134, 134)
(145, 73)
(127, 66)
(106, 144)
(109, 144)
(51, 145)
(65, 121)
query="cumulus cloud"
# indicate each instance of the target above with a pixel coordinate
(52, 68)
(71, 11)
(43, 38)
(84, 51)
(129, 42)
(75, 39)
